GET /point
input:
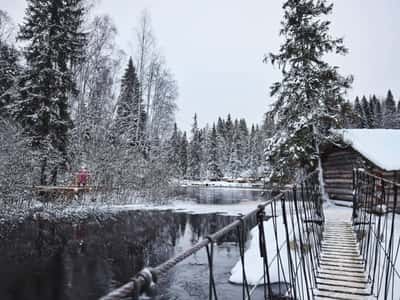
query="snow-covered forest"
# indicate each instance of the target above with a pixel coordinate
(227, 148)
(70, 97)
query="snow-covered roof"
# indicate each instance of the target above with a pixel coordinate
(380, 146)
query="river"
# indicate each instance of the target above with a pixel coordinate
(70, 260)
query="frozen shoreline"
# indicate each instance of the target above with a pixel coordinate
(82, 211)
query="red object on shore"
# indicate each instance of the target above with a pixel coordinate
(83, 177)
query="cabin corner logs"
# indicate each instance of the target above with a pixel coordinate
(338, 164)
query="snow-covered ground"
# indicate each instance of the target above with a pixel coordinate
(253, 260)
(190, 207)
(220, 183)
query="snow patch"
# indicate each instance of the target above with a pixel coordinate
(254, 262)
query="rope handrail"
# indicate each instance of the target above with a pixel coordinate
(362, 170)
(375, 208)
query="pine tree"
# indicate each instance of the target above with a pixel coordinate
(311, 91)
(398, 115)
(244, 144)
(195, 157)
(9, 71)
(173, 152)
(359, 114)
(52, 32)
(213, 168)
(346, 115)
(235, 163)
(183, 155)
(389, 111)
(220, 127)
(130, 117)
(376, 108)
(228, 143)
(253, 163)
(367, 118)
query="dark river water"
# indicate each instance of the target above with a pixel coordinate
(70, 260)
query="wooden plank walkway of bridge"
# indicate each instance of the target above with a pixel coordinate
(341, 270)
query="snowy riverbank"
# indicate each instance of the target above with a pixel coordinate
(220, 183)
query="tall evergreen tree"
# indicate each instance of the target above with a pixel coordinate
(389, 111)
(183, 155)
(359, 114)
(377, 109)
(367, 118)
(9, 71)
(130, 117)
(195, 157)
(253, 162)
(54, 45)
(213, 168)
(173, 152)
(311, 91)
(228, 142)
(235, 164)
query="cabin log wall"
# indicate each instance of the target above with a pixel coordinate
(338, 165)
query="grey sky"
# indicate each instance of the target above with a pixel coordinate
(215, 48)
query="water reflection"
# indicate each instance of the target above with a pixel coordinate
(221, 195)
(69, 260)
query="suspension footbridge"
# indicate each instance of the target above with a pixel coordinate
(327, 252)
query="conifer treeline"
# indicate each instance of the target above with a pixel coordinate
(374, 112)
(227, 148)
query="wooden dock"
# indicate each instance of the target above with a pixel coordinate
(341, 272)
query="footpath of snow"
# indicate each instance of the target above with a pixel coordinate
(380, 146)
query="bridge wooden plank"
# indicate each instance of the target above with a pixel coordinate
(340, 273)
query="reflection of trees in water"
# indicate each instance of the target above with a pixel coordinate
(219, 195)
(82, 260)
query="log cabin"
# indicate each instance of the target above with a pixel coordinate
(375, 150)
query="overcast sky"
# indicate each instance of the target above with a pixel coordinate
(215, 48)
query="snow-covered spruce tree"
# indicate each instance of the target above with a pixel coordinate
(54, 44)
(253, 162)
(9, 71)
(213, 169)
(398, 114)
(195, 155)
(358, 121)
(310, 93)
(368, 114)
(9, 67)
(228, 145)
(183, 155)
(347, 115)
(244, 144)
(130, 113)
(15, 164)
(389, 112)
(377, 108)
(173, 152)
(235, 162)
